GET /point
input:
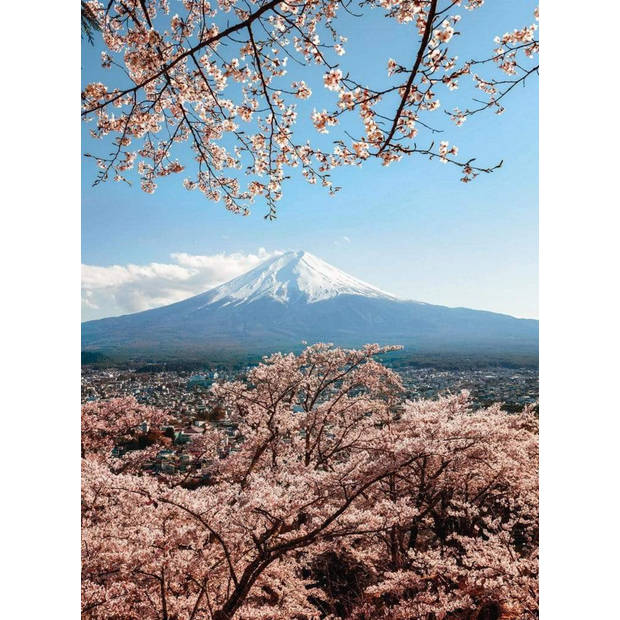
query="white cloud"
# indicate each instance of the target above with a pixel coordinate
(342, 240)
(118, 289)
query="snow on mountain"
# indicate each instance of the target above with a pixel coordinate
(297, 297)
(290, 277)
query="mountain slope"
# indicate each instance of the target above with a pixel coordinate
(293, 276)
(298, 297)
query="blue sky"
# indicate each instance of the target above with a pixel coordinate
(412, 229)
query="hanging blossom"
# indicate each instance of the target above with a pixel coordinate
(217, 76)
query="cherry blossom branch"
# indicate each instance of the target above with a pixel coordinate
(196, 48)
(414, 72)
(182, 92)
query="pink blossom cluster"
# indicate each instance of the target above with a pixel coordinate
(216, 76)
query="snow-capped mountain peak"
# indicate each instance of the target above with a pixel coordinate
(300, 298)
(293, 276)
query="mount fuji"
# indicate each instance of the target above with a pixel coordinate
(298, 297)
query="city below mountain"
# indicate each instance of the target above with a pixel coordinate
(296, 298)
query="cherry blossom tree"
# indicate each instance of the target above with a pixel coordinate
(429, 507)
(216, 76)
(457, 529)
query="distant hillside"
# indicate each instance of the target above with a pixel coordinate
(94, 357)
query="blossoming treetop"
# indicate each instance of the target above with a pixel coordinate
(425, 510)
